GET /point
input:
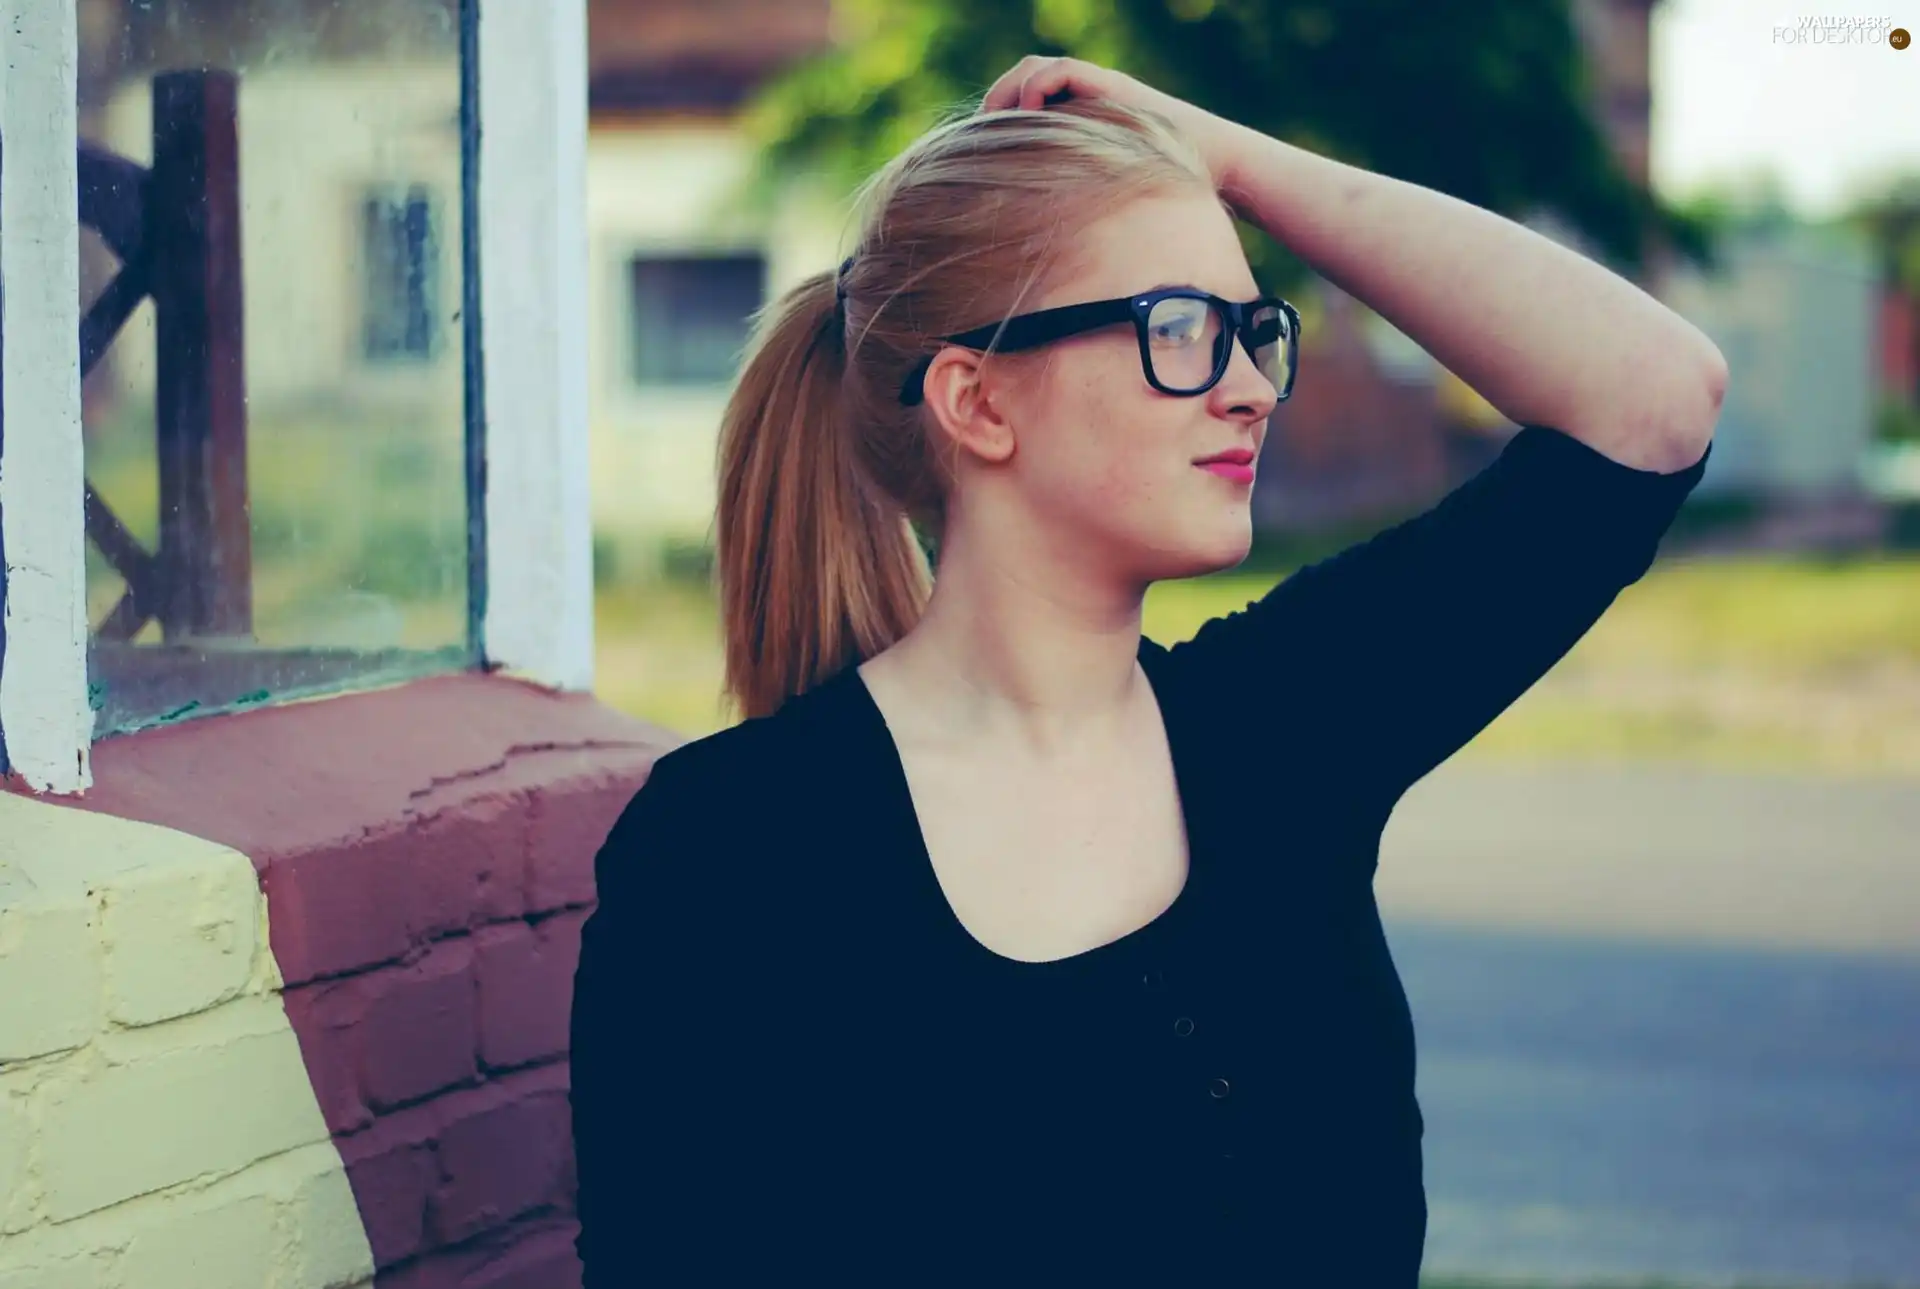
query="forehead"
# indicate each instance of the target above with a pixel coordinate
(1179, 240)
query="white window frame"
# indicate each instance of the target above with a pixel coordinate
(537, 579)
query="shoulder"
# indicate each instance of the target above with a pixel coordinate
(721, 809)
(753, 760)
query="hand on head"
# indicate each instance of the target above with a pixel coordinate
(1037, 82)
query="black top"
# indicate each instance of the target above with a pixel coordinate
(793, 1065)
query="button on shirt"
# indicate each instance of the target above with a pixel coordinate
(793, 1065)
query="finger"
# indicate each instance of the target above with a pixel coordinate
(1045, 82)
(1005, 92)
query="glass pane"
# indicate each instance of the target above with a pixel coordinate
(277, 427)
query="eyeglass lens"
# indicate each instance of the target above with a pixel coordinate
(1187, 339)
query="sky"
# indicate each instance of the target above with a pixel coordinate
(1827, 116)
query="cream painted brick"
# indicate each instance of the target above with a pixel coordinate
(195, 1098)
(78, 1255)
(265, 978)
(55, 863)
(84, 1271)
(180, 937)
(49, 968)
(19, 1188)
(326, 1245)
(226, 1245)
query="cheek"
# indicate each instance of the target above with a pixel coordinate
(1115, 443)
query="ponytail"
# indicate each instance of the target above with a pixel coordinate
(817, 569)
(820, 464)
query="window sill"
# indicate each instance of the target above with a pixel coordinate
(136, 687)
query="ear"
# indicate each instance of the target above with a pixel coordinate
(963, 401)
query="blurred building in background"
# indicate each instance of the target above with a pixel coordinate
(1795, 311)
(680, 256)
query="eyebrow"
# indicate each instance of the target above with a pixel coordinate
(1188, 286)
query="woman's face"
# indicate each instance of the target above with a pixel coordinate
(1103, 460)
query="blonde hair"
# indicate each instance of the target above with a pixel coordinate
(823, 473)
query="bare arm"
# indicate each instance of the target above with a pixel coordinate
(1544, 334)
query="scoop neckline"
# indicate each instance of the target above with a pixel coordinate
(927, 881)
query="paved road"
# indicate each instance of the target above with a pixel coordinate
(1684, 1040)
(1786, 861)
(1603, 1109)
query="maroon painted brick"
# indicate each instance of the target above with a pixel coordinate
(344, 910)
(448, 1271)
(500, 1162)
(391, 1182)
(469, 865)
(419, 1033)
(533, 1253)
(334, 911)
(325, 1017)
(542, 1258)
(525, 979)
(570, 820)
(393, 1172)
(569, 1201)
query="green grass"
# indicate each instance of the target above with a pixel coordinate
(1804, 664)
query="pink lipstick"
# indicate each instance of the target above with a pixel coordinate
(1235, 464)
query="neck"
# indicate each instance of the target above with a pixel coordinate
(1014, 646)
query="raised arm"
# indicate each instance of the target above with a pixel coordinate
(1544, 334)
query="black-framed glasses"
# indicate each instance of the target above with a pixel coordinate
(1186, 337)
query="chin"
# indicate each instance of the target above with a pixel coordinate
(1199, 558)
(1233, 545)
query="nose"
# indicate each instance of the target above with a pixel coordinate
(1244, 392)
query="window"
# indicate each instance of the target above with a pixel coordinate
(400, 253)
(267, 516)
(691, 316)
(262, 515)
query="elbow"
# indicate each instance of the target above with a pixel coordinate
(1652, 405)
(1713, 391)
(1694, 422)
(1678, 425)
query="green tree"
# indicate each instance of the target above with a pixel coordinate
(1487, 101)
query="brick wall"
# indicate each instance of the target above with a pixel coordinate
(421, 865)
(157, 1126)
(429, 972)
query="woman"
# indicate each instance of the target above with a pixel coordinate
(999, 944)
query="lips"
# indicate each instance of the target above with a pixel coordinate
(1232, 456)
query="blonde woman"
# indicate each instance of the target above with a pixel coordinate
(998, 944)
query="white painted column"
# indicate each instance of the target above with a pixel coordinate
(533, 280)
(44, 712)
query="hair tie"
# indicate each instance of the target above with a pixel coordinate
(840, 281)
